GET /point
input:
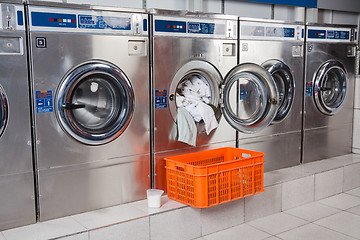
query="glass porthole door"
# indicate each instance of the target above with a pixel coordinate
(3, 110)
(330, 87)
(95, 102)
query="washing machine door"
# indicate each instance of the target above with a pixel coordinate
(95, 102)
(3, 110)
(196, 75)
(257, 101)
(285, 84)
(330, 87)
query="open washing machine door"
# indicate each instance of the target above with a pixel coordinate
(285, 84)
(257, 96)
(330, 87)
(95, 102)
(3, 110)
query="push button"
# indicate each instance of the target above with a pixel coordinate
(41, 42)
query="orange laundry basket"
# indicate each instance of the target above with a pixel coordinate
(209, 178)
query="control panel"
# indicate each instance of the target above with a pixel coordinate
(331, 34)
(191, 27)
(11, 17)
(270, 31)
(67, 20)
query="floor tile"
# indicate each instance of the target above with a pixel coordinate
(354, 210)
(166, 205)
(108, 216)
(2, 236)
(344, 222)
(341, 201)
(80, 236)
(277, 223)
(272, 238)
(244, 230)
(45, 230)
(354, 192)
(200, 239)
(313, 232)
(312, 211)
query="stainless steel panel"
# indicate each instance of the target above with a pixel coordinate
(170, 54)
(327, 142)
(317, 54)
(17, 200)
(160, 163)
(261, 51)
(74, 189)
(55, 147)
(282, 150)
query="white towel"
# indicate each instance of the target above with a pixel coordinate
(208, 115)
(186, 127)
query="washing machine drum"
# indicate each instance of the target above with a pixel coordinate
(3, 110)
(330, 87)
(95, 102)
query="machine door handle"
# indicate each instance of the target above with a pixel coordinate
(71, 106)
(325, 89)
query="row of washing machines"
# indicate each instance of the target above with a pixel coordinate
(88, 98)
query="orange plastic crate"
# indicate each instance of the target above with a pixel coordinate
(209, 178)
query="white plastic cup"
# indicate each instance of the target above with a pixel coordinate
(153, 197)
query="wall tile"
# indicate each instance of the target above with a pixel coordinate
(328, 183)
(351, 176)
(297, 192)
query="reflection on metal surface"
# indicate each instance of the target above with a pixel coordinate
(95, 102)
(3, 110)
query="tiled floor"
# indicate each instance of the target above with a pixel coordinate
(333, 218)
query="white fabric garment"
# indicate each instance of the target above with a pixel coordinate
(208, 115)
(186, 127)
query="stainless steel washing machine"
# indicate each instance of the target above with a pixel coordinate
(329, 91)
(17, 199)
(90, 85)
(278, 46)
(189, 46)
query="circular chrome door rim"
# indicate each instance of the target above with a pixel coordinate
(272, 97)
(319, 81)
(202, 68)
(68, 85)
(4, 110)
(276, 67)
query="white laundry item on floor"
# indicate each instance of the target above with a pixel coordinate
(186, 127)
(194, 112)
(208, 116)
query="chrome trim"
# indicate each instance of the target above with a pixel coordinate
(270, 103)
(65, 92)
(4, 110)
(318, 84)
(278, 67)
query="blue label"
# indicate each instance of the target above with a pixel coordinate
(160, 98)
(20, 18)
(317, 34)
(41, 19)
(44, 101)
(145, 25)
(244, 93)
(302, 33)
(344, 35)
(170, 26)
(300, 3)
(201, 28)
(100, 22)
(309, 89)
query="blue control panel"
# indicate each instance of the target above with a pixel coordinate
(43, 19)
(20, 18)
(102, 22)
(328, 34)
(170, 26)
(201, 28)
(280, 32)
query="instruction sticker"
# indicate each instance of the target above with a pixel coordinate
(309, 89)
(244, 93)
(44, 101)
(160, 98)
